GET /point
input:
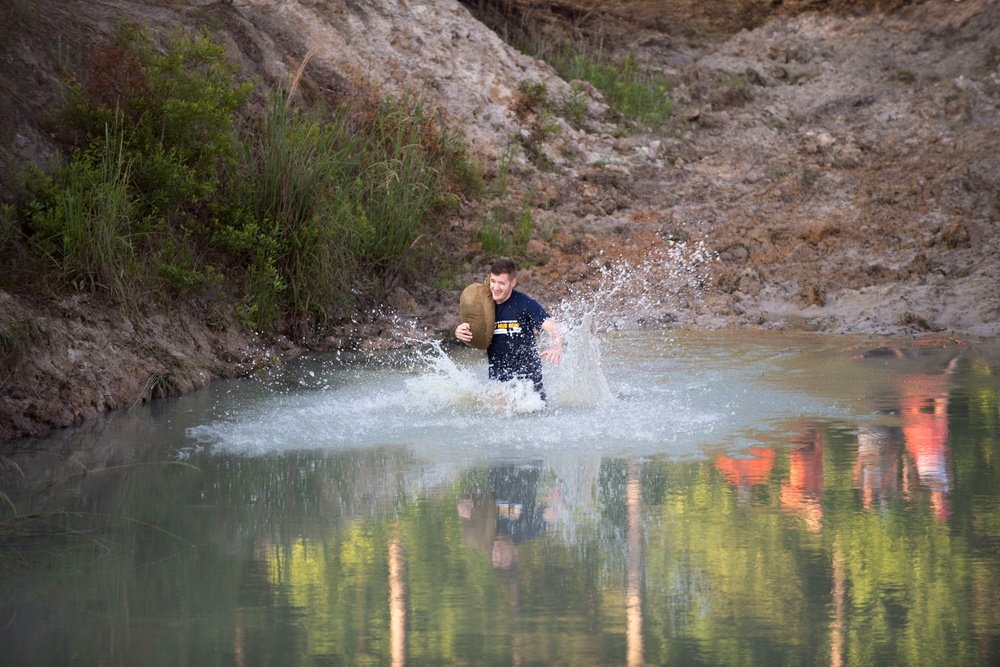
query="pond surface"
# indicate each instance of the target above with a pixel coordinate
(683, 499)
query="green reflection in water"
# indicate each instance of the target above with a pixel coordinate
(830, 542)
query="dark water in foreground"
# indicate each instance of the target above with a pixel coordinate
(686, 499)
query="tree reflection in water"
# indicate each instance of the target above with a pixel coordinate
(853, 539)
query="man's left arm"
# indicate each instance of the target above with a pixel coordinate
(553, 354)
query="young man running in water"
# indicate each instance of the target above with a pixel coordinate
(512, 353)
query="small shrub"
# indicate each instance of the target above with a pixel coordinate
(531, 97)
(910, 319)
(639, 97)
(178, 106)
(506, 158)
(493, 236)
(505, 232)
(532, 112)
(730, 91)
(157, 386)
(522, 233)
(574, 107)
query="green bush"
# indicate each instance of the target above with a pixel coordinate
(179, 107)
(171, 188)
(158, 136)
(297, 168)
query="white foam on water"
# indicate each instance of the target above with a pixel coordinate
(645, 394)
(444, 385)
(443, 403)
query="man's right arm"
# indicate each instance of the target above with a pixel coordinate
(554, 353)
(463, 332)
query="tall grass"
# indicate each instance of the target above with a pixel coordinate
(332, 199)
(296, 170)
(88, 226)
(641, 97)
(397, 190)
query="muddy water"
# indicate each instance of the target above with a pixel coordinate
(682, 499)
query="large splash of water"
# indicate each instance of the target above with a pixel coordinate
(631, 295)
(428, 394)
(626, 295)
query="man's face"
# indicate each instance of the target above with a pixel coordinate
(501, 286)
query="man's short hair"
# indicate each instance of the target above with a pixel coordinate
(503, 265)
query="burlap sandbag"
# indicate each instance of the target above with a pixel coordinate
(478, 309)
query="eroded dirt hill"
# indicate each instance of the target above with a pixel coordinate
(836, 170)
(842, 167)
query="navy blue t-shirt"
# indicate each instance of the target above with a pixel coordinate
(512, 352)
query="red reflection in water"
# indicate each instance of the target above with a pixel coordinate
(924, 408)
(876, 469)
(923, 401)
(744, 473)
(801, 494)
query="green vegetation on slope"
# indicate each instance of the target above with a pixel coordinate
(173, 187)
(640, 97)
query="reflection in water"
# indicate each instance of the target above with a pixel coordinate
(745, 472)
(876, 468)
(802, 493)
(397, 603)
(838, 621)
(239, 655)
(500, 518)
(635, 568)
(923, 415)
(925, 428)
(300, 531)
(505, 513)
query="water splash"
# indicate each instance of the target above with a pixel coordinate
(443, 384)
(654, 394)
(431, 398)
(579, 380)
(634, 294)
(626, 293)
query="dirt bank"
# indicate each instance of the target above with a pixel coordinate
(835, 170)
(840, 167)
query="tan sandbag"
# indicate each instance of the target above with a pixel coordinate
(478, 309)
